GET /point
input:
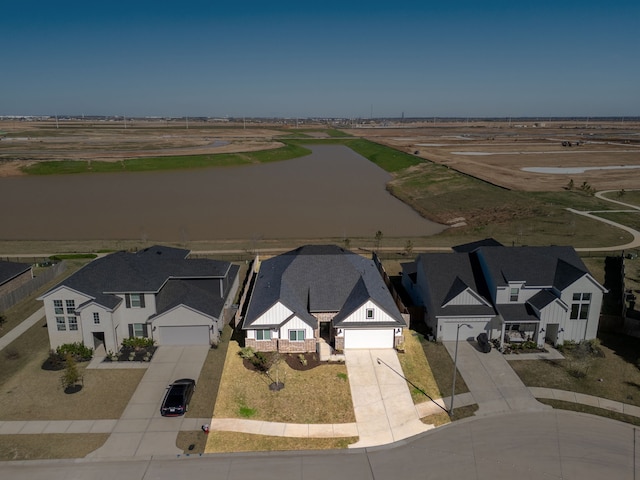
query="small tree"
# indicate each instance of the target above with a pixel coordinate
(621, 193)
(71, 375)
(408, 248)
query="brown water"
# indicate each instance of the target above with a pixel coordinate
(333, 192)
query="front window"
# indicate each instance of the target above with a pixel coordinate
(61, 324)
(138, 329)
(296, 335)
(58, 308)
(263, 334)
(71, 307)
(136, 300)
(513, 294)
(580, 306)
(96, 317)
(73, 323)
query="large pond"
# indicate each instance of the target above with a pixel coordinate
(333, 192)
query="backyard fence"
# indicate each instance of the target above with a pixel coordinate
(9, 299)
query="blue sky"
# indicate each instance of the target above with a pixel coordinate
(328, 59)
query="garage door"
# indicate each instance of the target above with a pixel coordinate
(188, 335)
(448, 330)
(381, 338)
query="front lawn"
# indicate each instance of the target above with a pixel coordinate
(49, 446)
(615, 375)
(319, 395)
(417, 370)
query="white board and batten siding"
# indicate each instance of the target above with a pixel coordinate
(295, 323)
(467, 297)
(274, 316)
(360, 315)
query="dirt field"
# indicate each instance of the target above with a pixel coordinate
(496, 152)
(27, 142)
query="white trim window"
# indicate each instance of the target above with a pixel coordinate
(580, 306)
(61, 324)
(57, 307)
(296, 335)
(134, 300)
(263, 334)
(370, 314)
(71, 307)
(138, 330)
(514, 293)
(73, 323)
(96, 318)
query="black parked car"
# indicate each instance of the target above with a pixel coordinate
(176, 400)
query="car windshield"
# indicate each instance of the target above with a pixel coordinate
(176, 396)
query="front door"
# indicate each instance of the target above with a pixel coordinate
(325, 331)
(98, 339)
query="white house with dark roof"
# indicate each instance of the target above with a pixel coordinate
(513, 294)
(157, 293)
(321, 292)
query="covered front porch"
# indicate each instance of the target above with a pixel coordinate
(520, 324)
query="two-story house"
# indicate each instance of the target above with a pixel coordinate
(157, 293)
(513, 294)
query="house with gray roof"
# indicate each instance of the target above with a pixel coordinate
(513, 294)
(157, 293)
(14, 275)
(321, 293)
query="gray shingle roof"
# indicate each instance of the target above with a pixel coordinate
(319, 278)
(10, 270)
(448, 275)
(145, 271)
(517, 312)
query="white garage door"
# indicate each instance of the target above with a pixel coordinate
(448, 330)
(188, 335)
(380, 338)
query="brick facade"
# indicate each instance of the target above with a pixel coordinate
(262, 345)
(282, 345)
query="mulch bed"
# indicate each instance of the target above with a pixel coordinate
(138, 354)
(294, 360)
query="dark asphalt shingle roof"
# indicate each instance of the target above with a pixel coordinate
(10, 270)
(146, 271)
(319, 278)
(517, 312)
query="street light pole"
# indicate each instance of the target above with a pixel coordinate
(455, 366)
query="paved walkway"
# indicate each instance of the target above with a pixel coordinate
(14, 333)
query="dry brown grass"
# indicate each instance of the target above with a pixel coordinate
(35, 394)
(417, 370)
(318, 395)
(50, 446)
(221, 442)
(615, 376)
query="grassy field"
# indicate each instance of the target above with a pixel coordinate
(319, 395)
(166, 163)
(417, 370)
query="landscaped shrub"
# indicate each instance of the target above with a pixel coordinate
(137, 342)
(78, 350)
(247, 353)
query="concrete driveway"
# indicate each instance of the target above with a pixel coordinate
(492, 382)
(141, 430)
(383, 407)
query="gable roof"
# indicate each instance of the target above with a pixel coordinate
(537, 266)
(10, 270)
(318, 278)
(146, 271)
(448, 275)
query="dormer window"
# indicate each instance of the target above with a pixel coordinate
(513, 294)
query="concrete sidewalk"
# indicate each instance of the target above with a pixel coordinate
(14, 333)
(492, 382)
(382, 404)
